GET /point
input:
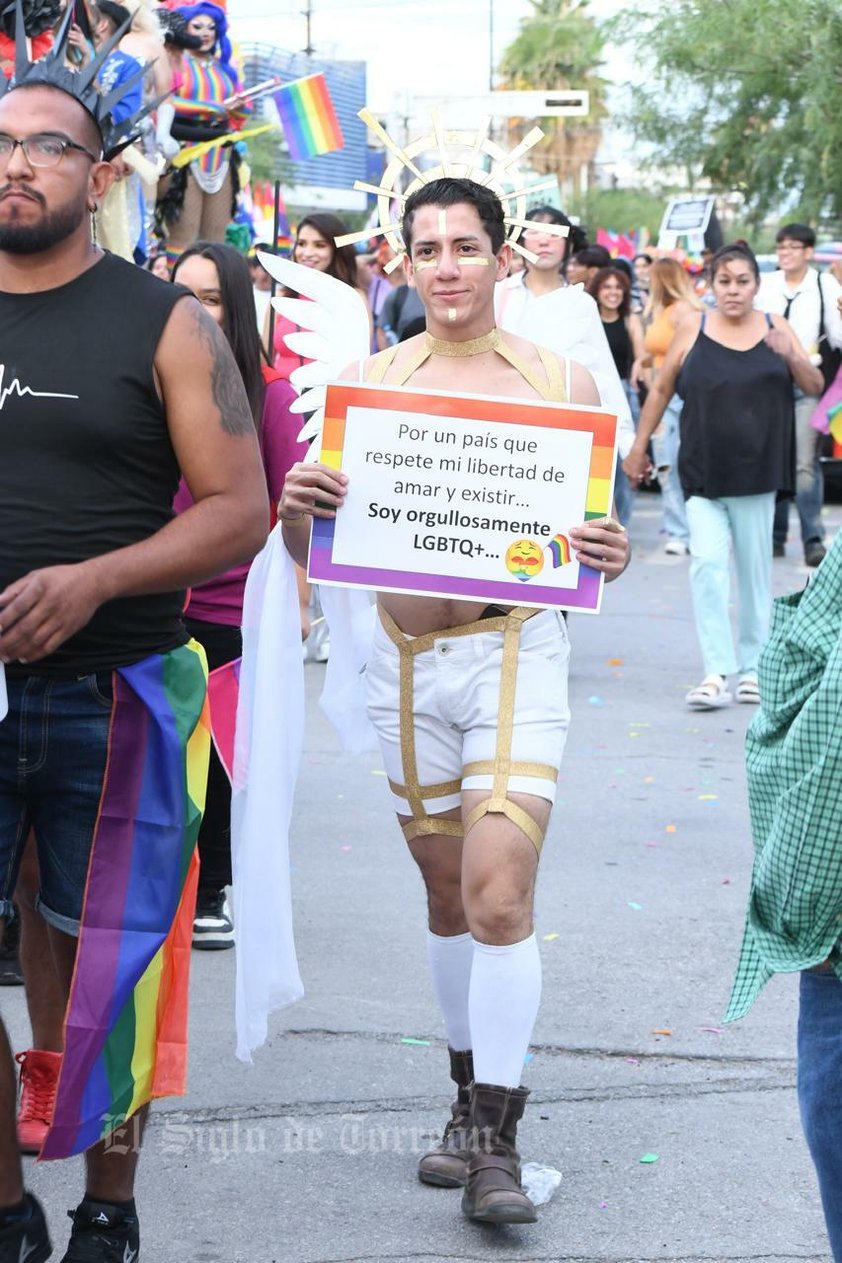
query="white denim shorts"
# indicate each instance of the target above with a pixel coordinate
(457, 687)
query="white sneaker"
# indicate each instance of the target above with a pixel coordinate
(213, 930)
(676, 548)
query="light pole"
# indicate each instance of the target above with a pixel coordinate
(490, 45)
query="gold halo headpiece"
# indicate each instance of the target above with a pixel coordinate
(461, 155)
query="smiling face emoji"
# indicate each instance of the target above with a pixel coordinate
(524, 559)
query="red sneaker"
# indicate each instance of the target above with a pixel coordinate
(38, 1083)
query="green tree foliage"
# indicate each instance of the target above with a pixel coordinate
(560, 45)
(746, 93)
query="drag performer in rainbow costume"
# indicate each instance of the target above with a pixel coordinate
(199, 202)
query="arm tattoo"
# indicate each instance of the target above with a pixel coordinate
(227, 387)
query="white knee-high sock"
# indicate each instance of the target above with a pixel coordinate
(503, 1005)
(451, 960)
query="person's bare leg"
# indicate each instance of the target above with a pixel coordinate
(45, 996)
(440, 860)
(11, 1179)
(499, 864)
(111, 1164)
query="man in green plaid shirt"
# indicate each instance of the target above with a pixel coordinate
(794, 765)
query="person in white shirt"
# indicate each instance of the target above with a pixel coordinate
(808, 300)
(538, 305)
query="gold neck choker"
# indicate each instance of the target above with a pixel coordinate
(474, 346)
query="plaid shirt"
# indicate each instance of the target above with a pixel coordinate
(794, 766)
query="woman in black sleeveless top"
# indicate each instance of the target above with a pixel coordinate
(734, 368)
(611, 288)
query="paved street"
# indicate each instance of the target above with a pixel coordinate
(309, 1155)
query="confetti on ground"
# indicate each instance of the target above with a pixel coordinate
(649, 780)
(595, 701)
(602, 1205)
(345, 848)
(377, 771)
(649, 1158)
(712, 1030)
(529, 1057)
(632, 1061)
(416, 1043)
(548, 938)
(651, 843)
(638, 907)
(726, 881)
(662, 1030)
(708, 798)
(615, 662)
(670, 828)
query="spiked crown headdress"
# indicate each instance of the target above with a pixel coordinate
(53, 71)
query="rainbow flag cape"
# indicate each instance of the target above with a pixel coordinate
(126, 1023)
(559, 548)
(308, 117)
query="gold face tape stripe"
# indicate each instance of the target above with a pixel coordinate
(424, 263)
(472, 262)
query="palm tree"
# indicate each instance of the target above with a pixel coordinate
(559, 46)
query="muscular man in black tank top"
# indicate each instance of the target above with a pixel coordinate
(111, 382)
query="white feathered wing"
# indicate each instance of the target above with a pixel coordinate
(335, 333)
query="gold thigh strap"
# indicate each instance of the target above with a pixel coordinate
(501, 767)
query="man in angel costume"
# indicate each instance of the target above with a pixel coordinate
(470, 705)
(111, 384)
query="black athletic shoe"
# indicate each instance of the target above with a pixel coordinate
(11, 974)
(102, 1234)
(26, 1240)
(213, 929)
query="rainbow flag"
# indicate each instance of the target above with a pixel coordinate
(308, 117)
(126, 1024)
(559, 550)
(223, 695)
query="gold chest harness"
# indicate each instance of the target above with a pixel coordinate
(552, 386)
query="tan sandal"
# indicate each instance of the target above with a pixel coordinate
(710, 694)
(748, 691)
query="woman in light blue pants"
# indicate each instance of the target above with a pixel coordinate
(734, 368)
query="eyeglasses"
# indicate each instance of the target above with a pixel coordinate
(40, 151)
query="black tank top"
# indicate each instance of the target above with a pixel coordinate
(620, 344)
(737, 423)
(86, 462)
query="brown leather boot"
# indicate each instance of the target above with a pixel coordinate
(493, 1192)
(447, 1163)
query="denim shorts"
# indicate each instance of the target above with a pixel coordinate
(53, 751)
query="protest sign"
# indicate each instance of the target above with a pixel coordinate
(463, 496)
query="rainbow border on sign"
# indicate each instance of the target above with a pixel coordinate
(602, 425)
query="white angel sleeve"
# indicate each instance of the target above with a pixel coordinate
(334, 333)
